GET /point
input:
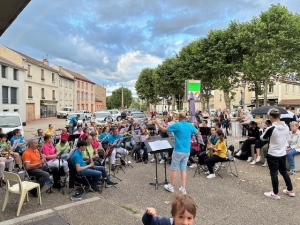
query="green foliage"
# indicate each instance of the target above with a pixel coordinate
(116, 98)
(108, 102)
(139, 104)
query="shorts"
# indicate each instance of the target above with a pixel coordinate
(179, 159)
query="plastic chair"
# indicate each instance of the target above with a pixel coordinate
(21, 188)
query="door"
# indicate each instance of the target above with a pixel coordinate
(30, 112)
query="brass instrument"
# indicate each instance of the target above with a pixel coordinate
(6, 151)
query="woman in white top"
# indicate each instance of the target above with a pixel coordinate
(293, 147)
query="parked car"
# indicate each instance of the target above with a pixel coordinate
(87, 114)
(10, 121)
(99, 117)
(79, 121)
(139, 115)
(64, 112)
(115, 114)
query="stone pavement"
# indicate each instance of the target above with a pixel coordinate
(229, 200)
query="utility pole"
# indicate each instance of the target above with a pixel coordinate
(122, 98)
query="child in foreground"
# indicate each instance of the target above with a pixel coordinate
(183, 213)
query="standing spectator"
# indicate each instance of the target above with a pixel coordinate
(73, 122)
(123, 114)
(276, 156)
(289, 117)
(153, 114)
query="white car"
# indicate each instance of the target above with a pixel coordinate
(99, 117)
(87, 114)
(10, 121)
(115, 114)
(79, 121)
(64, 112)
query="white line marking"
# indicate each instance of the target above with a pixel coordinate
(75, 203)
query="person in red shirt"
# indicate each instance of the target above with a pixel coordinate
(64, 134)
(86, 132)
(153, 114)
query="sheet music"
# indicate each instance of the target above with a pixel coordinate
(143, 138)
(15, 144)
(136, 138)
(159, 144)
(75, 143)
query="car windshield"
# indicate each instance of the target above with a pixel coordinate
(114, 112)
(10, 121)
(101, 115)
(65, 109)
(138, 115)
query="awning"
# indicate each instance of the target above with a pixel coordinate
(291, 102)
(48, 102)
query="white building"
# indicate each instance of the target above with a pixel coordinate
(12, 88)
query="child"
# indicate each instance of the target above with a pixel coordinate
(183, 212)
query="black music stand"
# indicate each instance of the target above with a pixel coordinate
(62, 183)
(171, 143)
(73, 137)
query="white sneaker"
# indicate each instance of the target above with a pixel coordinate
(182, 190)
(272, 195)
(152, 160)
(210, 176)
(128, 162)
(169, 187)
(290, 193)
(207, 172)
(265, 164)
(68, 179)
(162, 161)
(258, 158)
(253, 162)
(249, 159)
(194, 165)
(239, 153)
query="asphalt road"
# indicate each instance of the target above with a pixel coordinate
(229, 200)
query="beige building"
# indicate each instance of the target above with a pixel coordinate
(100, 93)
(84, 91)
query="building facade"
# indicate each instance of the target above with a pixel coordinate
(100, 93)
(84, 91)
(12, 88)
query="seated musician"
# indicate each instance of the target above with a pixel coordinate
(108, 118)
(97, 146)
(137, 125)
(21, 142)
(118, 149)
(195, 149)
(205, 114)
(211, 143)
(51, 153)
(129, 141)
(205, 131)
(91, 171)
(120, 126)
(89, 153)
(40, 137)
(50, 130)
(2, 166)
(79, 130)
(103, 137)
(64, 134)
(84, 123)
(4, 151)
(63, 145)
(92, 127)
(141, 145)
(34, 163)
(86, 132)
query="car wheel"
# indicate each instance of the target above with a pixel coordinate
(118, 118)
(58, 117)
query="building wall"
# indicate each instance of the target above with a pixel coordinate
(19, 84)
(98, 105)
(100, 92)
(11, 55)
(85, 100)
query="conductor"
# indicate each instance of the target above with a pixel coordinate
(182, 133)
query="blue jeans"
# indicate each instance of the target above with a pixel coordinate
(129, 143)
(138, 154)
(93, 174)
(290, 157)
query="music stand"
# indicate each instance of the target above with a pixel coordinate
(155, 150)
(62, 183)
(73, 137)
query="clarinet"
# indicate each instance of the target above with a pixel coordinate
(45, 162)
(104, 138)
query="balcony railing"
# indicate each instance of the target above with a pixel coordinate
(4, 100)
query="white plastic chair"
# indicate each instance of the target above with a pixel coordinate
(21, 188)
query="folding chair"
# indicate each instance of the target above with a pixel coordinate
(21, 188)
(228, 160)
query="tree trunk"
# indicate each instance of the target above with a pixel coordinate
(256, 96)
(266, 92)
(173, 101)
(227, 99)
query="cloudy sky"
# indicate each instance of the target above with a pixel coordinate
(110, 42)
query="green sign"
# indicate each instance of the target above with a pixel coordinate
(194, 86)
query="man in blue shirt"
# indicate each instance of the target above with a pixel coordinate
(182, 133)
(118, 149)
(91, 171)
(73, 122)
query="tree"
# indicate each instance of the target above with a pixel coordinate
(145, 86)
(108, 102)
(116, 97)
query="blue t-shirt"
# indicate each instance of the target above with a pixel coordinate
(182, 133)
(112, 139)
(78, 159)
(73, 120)
(20, 140)
(103, 135)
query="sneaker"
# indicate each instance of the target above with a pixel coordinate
(272, 195)
(265, 164)
(162, 161)
(249, 159)
(216, 167)
(194, 165)
(210, 176)
(258, 158)
(207, 173)
(139, 160)
(111, 183)
(239, 153)
(146, 161)
(290, 193)
(123, 163)
(182, 190)
(292, 172)
(152, 160)
(169, 187)
(253, 162)
(128, 162)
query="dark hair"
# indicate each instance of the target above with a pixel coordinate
(78, 115)
(103, 129)
(83, 119)
(16, 131)
(288, 107)
(39, 130)
(183, 203)
(46, 137)
(85, 129)
(3, 135)
(93, 134)
(252, 123)
(49, 125)
(268, 122)
(204, 121)
(81, 143)
(220, 134)
(218, 124)
(78, 126)
(275, 113)
(63, 141)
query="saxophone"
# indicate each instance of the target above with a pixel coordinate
(8, 150)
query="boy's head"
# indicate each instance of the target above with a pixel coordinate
(183, 209)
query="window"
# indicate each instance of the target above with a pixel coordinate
(78, 84)
(82, 85)
(16, 74)
(286, 89)
(87, 86)
(86, 96)
(13, 95)
(87, 107)
(53, 78)
(30, 92)
(16, 110)
(82, 106)
(220, 98)
(70, 97)
(43, 93)
(53, 94)
(82, 96)
(3, 71)
(234, 97)
(293, 89)
(70, 84)
(28, 71)
(92, 97)
(92, 107)
(60, 96)
(66, 96)
(42, 75)
(4, 95)
(78, 95)
(66, 84)
(92, 87)
(60, 82)
(271, 89)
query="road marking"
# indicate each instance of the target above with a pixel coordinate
(75, 203)
(27, 217)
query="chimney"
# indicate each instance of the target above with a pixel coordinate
(46, 62)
